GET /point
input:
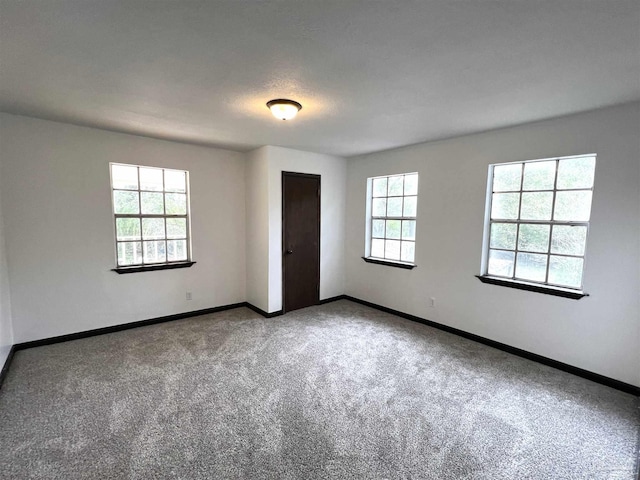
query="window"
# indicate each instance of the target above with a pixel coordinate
(151, 216)
(537, 221)
(391, 210)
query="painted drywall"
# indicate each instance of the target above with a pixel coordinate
(6, 328)
(600, 333)
(59, 229)
(257, 205)
(332, 217)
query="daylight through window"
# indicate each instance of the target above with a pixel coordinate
(538, 219)
(392, 231)
(151, 214)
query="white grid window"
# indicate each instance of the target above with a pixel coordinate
(393, 203)
(538, 219)
(151, 215)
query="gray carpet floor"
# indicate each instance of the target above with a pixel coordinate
(334, 391)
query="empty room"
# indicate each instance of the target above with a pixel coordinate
(337, 239)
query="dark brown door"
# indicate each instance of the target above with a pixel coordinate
(300, 240)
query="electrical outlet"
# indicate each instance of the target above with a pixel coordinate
(432, 302)
(188, 295)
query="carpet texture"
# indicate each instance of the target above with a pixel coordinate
(335, 391)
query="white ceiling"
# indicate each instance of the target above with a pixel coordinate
(370, 74)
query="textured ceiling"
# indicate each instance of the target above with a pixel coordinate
(371, 75)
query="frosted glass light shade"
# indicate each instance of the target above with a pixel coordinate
(284, 109)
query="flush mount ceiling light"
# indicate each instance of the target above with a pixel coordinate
(284, 109)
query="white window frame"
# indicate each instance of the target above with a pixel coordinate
(540, 286)
(142, 265)
(370, 219)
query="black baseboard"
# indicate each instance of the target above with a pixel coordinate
(281, 312)
(262, 312)
(140, 323)
(113, 328)
(333, 299)
(124, 326)
(7, 362)
(594, 377)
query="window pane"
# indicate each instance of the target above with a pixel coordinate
(552, 191)
(531, 266)
(129, 253)
(124, 177)
(409, 229)
(539, 175)
(392, 249)
(503, 235)
(394, 196)
(506, 177)
(379, 207)
(536, 206)
(573, 206)
(151, 179)
(141, 191)
(576, 172)
(407, 251)
(154, 252)
(395, 185)
(568, 240)
(377, 229)
(505, 206)
(566, 271)
(175, 181)
(410, 206)
(152, 203)
(393, 229)
(152, 228)
(176, 250)
(127, 228)
(176, 203)
(377, 248)
(411, 184)
(125, 202)
(380, 187)
(534, 238)
(394, 207)
(500, 263)
(176, 228)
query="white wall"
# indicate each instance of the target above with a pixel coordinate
(264, 221)
(6, 329)
(332, 217)
(257, 202)
(59, 229)
(600, 333)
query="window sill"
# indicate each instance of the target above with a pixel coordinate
(390, 263)
(532, 287)
(151, 268)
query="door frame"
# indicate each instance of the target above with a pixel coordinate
(282, 233)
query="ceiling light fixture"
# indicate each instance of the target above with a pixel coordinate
(284, 109)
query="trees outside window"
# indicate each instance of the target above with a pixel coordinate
(393, 204)
(151, 215)
(537, 220)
